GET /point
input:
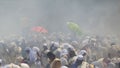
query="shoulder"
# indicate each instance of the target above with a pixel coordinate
(84, 64)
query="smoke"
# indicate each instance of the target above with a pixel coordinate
(93, 16)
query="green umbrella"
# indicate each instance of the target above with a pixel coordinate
(74, 27)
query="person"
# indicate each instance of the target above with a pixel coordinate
(31, 55)
(103, 63)
(54, 46)
(77, 62)
(64, 61)
(91, 66)
(11, 65)
(56, 63)
(64, 57)
(84, 54)
(37, 57)
(53, 61)
(0, 62)
(64, 67)
(24, 65)
(25, 55)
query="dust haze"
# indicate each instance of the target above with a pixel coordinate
(93, 16)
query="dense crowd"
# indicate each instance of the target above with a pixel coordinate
(59, 50)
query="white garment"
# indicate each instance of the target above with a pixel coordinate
(64, 67)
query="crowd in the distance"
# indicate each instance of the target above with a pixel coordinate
(59, 50)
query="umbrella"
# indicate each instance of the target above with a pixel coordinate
(39, 29)
(74, 27)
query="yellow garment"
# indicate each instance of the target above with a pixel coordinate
(91, 66)
(84, 65)
(56, 63)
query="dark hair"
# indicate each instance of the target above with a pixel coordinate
(113, 43)
(50, 55)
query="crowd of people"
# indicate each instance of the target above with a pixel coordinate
(59, 50)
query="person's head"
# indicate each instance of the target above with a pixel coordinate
(57, 64)
(113, 43)
(36, 49)
(106, 60)
(64, 53)
(45, 46)
(24, 65)
(54, 46)
(91, 66)
(71, 52)
(27, 49)
(83, 52)
(19, 59)
(79, 59)
(74, 43)
(51, 56)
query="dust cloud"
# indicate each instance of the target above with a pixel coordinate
(93, 16)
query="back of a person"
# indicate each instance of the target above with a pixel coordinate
(23, 65)
(32, 56)
(117, 65)
(84, 65)
(111, 65)
(56, 63)
(97, 64)
(11, 66)
(91, 66)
